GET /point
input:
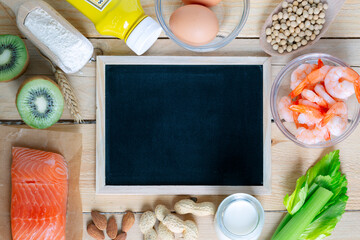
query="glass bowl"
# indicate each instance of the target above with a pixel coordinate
(231, 15)
(281, 87)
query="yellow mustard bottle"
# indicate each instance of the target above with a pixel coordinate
(124, 19)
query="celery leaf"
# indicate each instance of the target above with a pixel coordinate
(328, 167)
(324, 223)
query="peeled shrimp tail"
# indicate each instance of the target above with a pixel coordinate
(309, 114)
(314, 77)
(307, 110)
(298, 90)
(320, 63)
(327, 119)
(338, 109)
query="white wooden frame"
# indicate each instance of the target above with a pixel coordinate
(103, 189)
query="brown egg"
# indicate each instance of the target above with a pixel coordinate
(207, 3)
(194, 24)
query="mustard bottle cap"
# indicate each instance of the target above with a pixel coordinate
(144, 35)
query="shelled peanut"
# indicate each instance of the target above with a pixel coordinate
(298, 23)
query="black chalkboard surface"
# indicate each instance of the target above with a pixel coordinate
(184, 125)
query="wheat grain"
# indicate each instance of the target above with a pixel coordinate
(69, 95)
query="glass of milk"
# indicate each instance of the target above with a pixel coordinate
(239, 216)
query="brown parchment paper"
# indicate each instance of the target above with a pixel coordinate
(68, 145)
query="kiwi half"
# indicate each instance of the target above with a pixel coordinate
(40, 102)
(14, 57)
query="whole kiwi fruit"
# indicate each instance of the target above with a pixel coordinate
(39, 102)
(14, 57)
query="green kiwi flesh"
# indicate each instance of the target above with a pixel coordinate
(14, 57)
(40, 102)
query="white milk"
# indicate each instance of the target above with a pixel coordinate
(240, 216)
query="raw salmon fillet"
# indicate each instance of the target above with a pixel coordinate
(39, 195)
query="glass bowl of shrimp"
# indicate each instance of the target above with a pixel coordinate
(315, 100)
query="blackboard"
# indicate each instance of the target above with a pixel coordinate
(184, 125)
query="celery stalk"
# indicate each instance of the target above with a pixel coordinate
(300, 220)
(326, 174)
(288, 216)
(283, 223)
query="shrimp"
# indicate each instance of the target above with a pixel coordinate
(301, 119)
(300, 74)
(308, 103)
(284, 111)
(311, 115)
(313, 136)
(336, 119)
(357, 89)
(342, 82)
(313, 97)
(320, 90)
(314, 77)
(338, 109)
(337, 125)
(305, 121)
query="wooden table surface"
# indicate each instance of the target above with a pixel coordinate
(289, 161)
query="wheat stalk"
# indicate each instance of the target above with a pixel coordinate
(70, 98)
(69, 94)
